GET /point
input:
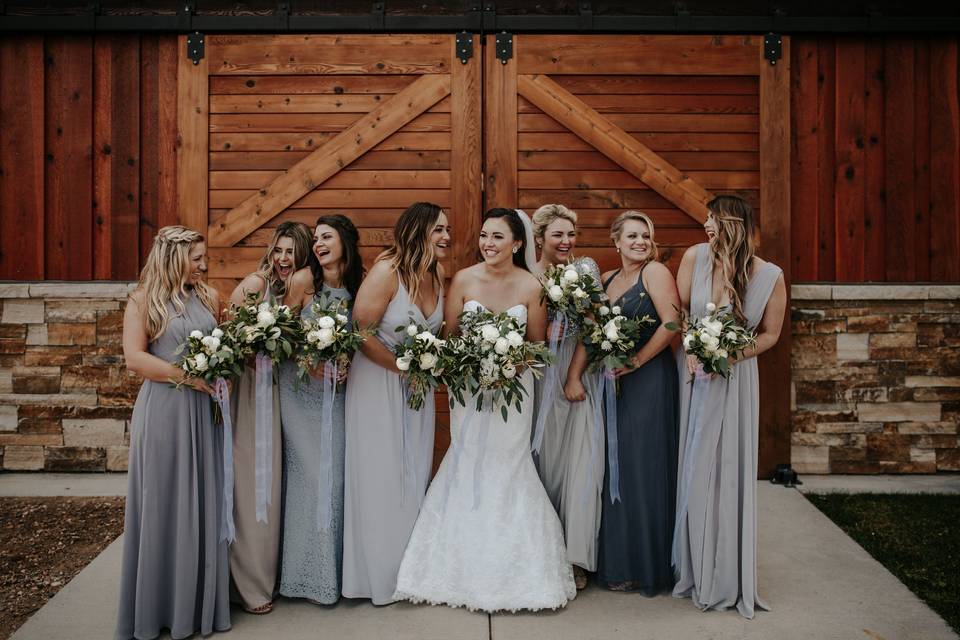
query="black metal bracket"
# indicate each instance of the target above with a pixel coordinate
(586, 16)
(504, 47)
(464, 46)
(185, 15)
(195, 47)
(488, 23)
(772, 47)
(282, 16)
(378, 16)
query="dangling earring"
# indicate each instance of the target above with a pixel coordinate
(515, 249)
(618, 249)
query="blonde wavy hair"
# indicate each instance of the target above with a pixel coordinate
(547, 214)
(163, 279)
(733, 247)
(302, 237)
(617, 228)
(412, 252)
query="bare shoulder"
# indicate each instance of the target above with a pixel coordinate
(215, 297)
(690, 255)
(529, 282)
(137, 296)
(467, 274)
(380, 272)
(253, 283)
(607, 274)
(658, 271)
(303, 278)
(441, 272)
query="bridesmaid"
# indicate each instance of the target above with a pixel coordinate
(715, 546)
(571, 454)
(636, 530)
(174, 573)
(389, 449)
(254, 553)
(312, 549)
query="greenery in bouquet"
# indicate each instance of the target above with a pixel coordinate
(488, 355)
(570, 293)
(267, 328)
(611, 339)
(421, 356)
(328, 336)
(714, 339)
(211, 356)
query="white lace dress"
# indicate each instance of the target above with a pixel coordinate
(487, 537)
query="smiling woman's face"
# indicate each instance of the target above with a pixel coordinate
(198, 263)
(440, 236)
(327, 245)
(283, 257)
(496, 241)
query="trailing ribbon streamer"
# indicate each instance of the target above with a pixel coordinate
(613, 454)
(263, 434)
(557, 329)
(221, 394)
(596, 442)
(325, 477)
(689, 452)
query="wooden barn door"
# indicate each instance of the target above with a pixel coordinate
(656, 123)
(288, 127)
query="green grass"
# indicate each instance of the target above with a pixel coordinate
(916, 537)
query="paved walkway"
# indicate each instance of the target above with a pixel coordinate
(940, 483)
(819, 583)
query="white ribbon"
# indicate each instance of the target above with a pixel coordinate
(221, 393)
(690, 449)
(325, 477)
(613, 453)
(557, 328)
(263, 434)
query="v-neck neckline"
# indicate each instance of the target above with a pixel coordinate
(628, 289)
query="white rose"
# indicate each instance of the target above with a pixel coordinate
(714, 328)
(264, 306)
(489, 333)
(313, 336)
(722, 353)
(711, 307)
(265, 318)
(731, 335)
(579, 293)
(412, 330)
(196, 334)
(326, 322)
(186, 365)
(688, 340)
(217, 333)
(325, 335)
(710, 342)
(283, 309)
(487, 366)
(555, 292)
(571, 275)
(342, 319)
(210, 343)
(403, 363)
(515, 339)
(508, 371)
(501, 346)
(226, 350)
(616, 311)
(251, 333)
(426, 336)
(611, 331)
(604, 310)
(427, 361)
(606, 345)
(200, 361)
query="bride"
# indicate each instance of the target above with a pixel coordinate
(487, 537)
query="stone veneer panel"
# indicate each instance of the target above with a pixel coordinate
(876, 378)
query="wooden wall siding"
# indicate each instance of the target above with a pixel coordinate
(876, 159)
(87, 153)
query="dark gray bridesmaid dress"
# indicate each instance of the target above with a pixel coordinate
(174, 574)
(636, 533)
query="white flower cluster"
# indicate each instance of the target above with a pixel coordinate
(716, 337)
(328, 335)
(495, 344)
(323, 331)
(208, 356)
(567, 291)
(424, 350)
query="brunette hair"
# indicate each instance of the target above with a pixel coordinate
(733, 247)
(352, 272)
(412, 252)
(302, 237)
(517, 229)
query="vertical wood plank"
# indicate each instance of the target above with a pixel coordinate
(874, 238)
(500, 126)
(21, 158)
(68, 84)
(775, 243)
(899, 148)
(465, 161)
(116, 170)
(826, 116)
(850, 158)
(945, 157)
(804, 183)
(158, 133)
(921, 160)
(192, 120)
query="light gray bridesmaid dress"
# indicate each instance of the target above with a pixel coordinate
(715, 544)
(255, 553)
(311, 556)
(382, 490)
(570, 463)
(174, 573)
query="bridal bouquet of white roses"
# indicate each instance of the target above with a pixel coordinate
(328, 337)
(488, 355)
(714, 338)
(611, 338)
(210, 356)
(266, 328)
(421, 357)
(567, 292)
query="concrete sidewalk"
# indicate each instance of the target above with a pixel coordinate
(819, 583)
(939, 483)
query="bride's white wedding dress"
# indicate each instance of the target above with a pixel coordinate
(495, 545)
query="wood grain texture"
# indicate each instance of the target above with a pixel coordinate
(22, 233)
(466, 99)
(500, 128)
(324, 198)
(804, 202)
(775, 245)
(656, 142)
(850, 174)
(921, 159)
(826, 161)
(309, 122)
(707, 104)
(192, 138)
(300, 84)
(623, 180)
(660, 54)
(596, 161)
(945, 156)
(874, 205)
(280, 160)
(323, 163)
(651, 122)
(660, 84)
(610, 140)
(898, 141)
(342, 180)
(68, 88)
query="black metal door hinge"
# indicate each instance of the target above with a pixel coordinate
(378, 16)
(464, 46)
(195, 47)
(586, 17)
(504, 43)
(772, 47)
